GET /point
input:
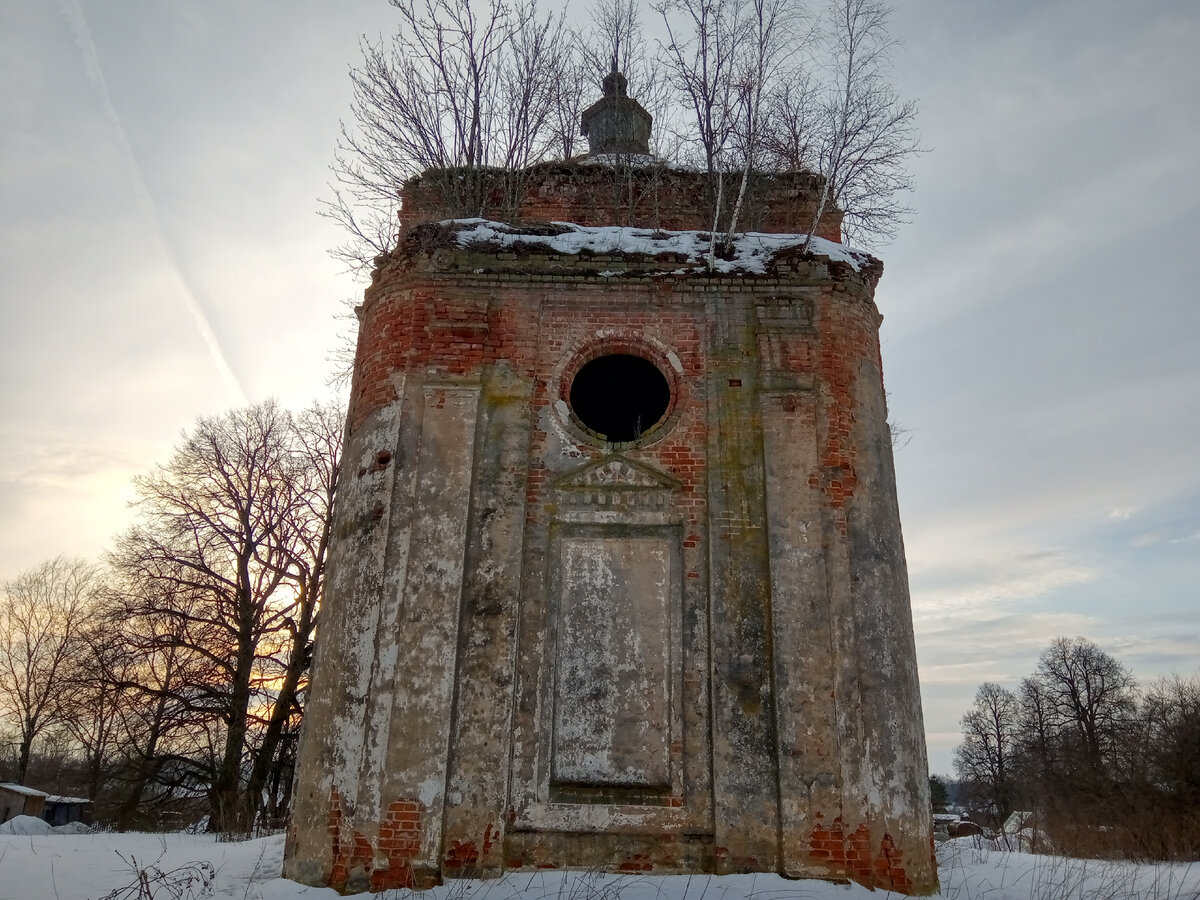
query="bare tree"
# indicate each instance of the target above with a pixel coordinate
(770, 43)
(1169, 730)
(704, 38)
(1039, 750)
(572, 87)
(867, 131)
(985, 757)
(1081, 746)
(467, 95)
(224, 572)
(1077, 715)
(317, 445)
(789, 140)
(42, 615)
(740, 68)
(97, 680)
(167, 721)
(616, 40)
(1089, 698)
(1171, 720)
(462, 88)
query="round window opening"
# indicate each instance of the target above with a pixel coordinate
(620, 396)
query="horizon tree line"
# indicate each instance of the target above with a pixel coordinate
(1107, 766)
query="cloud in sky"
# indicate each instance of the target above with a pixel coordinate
(197, 305)
(160, 258)
(1041, 339)
(157, 234)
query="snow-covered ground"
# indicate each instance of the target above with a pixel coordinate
(67, 866)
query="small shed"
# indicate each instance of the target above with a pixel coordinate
(64, 810)
(18, 800)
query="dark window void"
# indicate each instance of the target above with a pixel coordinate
(620, 396)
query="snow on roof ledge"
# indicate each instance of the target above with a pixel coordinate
(751, 250)
(21, 789)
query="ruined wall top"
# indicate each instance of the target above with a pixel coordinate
(617, 183)
(638, 196)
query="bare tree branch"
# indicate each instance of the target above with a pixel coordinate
(222, 578)
(868, 132)
(462, 89)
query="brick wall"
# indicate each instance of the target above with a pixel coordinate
(652, 197)
(799, 344)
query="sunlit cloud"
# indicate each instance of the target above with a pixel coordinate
(66, 459)
(1178, 651)
(972, 583)
(973, 649)
(1164, 535)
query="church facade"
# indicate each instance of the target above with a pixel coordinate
(618, 579)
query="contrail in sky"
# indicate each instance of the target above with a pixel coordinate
(74, 15)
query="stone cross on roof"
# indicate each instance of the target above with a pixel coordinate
(616, 123)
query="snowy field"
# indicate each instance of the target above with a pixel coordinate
(66, 866)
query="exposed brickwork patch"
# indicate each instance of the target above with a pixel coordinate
(399, 841)
(461, 855)
(854, 855)
(638, 862)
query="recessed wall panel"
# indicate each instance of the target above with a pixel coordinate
(612, 668)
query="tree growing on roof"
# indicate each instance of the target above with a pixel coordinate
(461, 89)
(865, 131)
(768, 85)
(728, 60)
(615, 39)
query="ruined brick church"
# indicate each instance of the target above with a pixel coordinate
(618, 579)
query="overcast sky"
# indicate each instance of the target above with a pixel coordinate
(161, 259)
